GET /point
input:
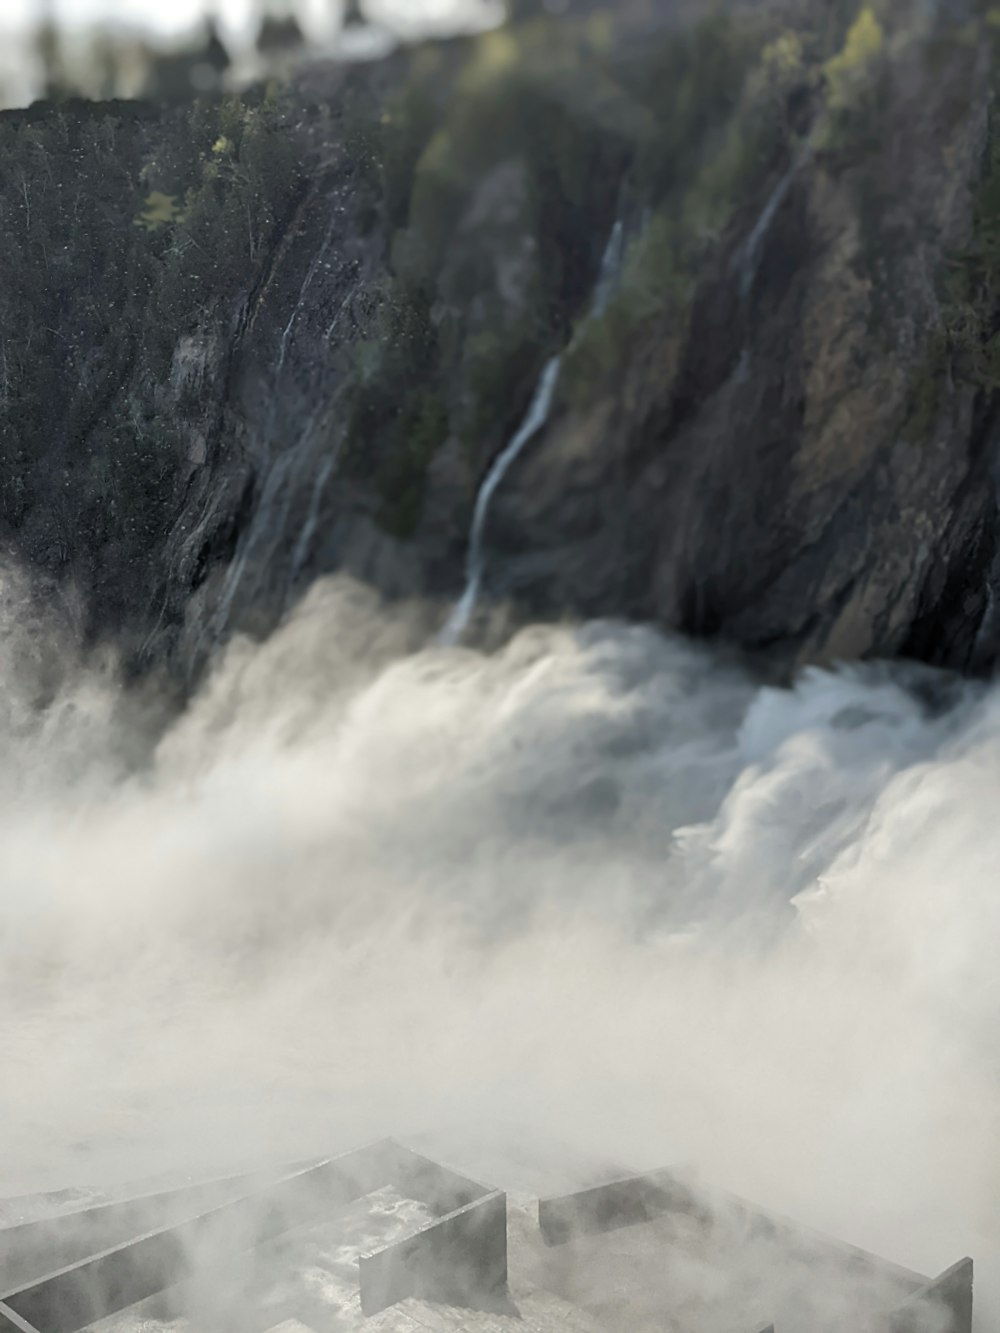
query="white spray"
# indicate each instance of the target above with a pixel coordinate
(597, 886)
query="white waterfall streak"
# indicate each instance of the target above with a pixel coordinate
(537, 418)
(749, 255)
(611, 265)
(538, 415)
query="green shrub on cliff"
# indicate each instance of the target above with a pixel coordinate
(547, 103)
(852, 80)
(847, 73)
(692, 82)
(159, 210)
(655, 290)
(722, 138)
(100, 303)
(245, 184)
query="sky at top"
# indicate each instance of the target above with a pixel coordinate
(239, 17)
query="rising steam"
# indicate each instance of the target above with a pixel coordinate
(599, 886)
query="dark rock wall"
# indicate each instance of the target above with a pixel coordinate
(250, 341)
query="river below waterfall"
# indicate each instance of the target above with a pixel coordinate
(601, 885)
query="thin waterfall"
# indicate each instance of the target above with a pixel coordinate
(749, 255)
(304, 544)
(538, 414)
(537, 417)
(611, 267)
(752, 249)
(263, 522)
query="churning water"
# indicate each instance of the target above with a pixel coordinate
(600, 885)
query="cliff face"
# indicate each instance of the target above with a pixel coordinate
(807, 464)
(248, 342)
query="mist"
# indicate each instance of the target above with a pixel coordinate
(599, 895)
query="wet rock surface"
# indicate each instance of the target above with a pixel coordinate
(288, 335)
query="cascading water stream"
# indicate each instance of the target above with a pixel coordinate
(748, 256)
(750, 252)
(537, 417)
(305, 541)
(611, 267)
(745, 263)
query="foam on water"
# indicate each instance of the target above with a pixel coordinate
(600, 886)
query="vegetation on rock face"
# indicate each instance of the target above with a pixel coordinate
(970, 331)
(93, 306)
(580, 127)
(688, 127)
(398, 418)
(148, 248)
(693, 85)
(490, 299)
(654, 291)
(237, 193)
(963, 347)
(851, 77)
(721, 101)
